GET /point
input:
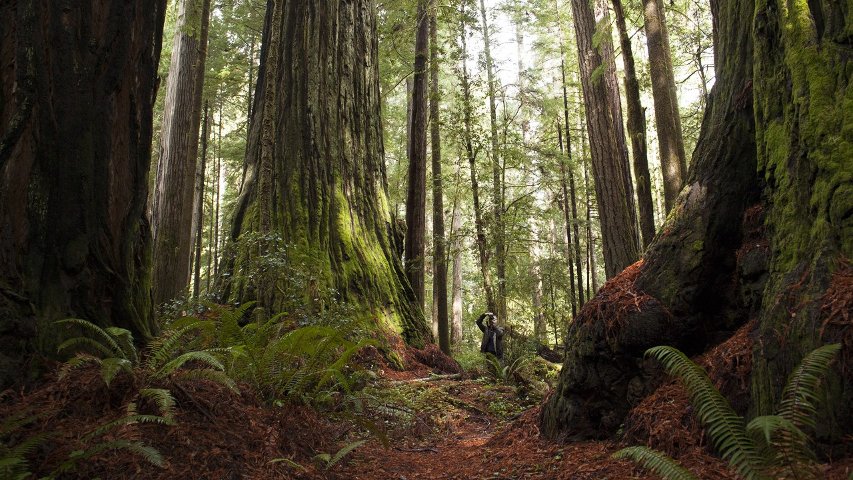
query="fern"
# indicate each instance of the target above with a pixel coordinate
(330, 460)
(773, 446)
(655, 461)
(111, 340)
(13, 456)
(162, 398)
(725, 427)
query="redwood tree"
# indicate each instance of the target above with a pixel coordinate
(76, 102)
(613, 188)
(329, 185)
(172, 206)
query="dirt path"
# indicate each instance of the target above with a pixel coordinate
(476, 430)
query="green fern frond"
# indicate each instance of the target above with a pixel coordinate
(78, 361)
(165, 347)
(658, 462)
(130, 419)
(77, 342)
(802, 392)
(202, 356)
(124, 339)
(110, 367)
(162, 398)
(344, 452)
(149, 454)
(725, 427)
(105, 337)
(215, 376)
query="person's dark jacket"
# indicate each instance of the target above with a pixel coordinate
(493, 338)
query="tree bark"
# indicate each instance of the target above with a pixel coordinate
(76, 109)
(686, 276)
(198, 206)
(613, 186)
(499, 231)
(803, 98)
(479, 224)
(330, 184)
(667, 116)
(456, 287)
(439, 282)
(564, 206)
(172, 207)
(416, 196)
(637, 131)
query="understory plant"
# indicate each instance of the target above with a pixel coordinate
(768, 447)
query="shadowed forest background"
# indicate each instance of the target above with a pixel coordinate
(250, 239)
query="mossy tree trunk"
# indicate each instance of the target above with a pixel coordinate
(803, 87)
(776, 130)
(76, 109)
(329, 182)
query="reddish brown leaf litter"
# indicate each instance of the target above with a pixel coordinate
(664, 420)
(754, 231)
(616, 300)
(837, 313)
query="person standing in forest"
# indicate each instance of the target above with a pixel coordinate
(493, 335)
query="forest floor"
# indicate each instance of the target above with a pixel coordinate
(416, 423)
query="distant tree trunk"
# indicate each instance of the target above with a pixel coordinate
(499, 231)
(416, 197)
(330, 180)
(439, 282)
(456, 287)
(568, 173)
(479, 224)
(592, 276)
(198, 205)
(636, 131)
(564, 206)
(613, 186)
(172, 207)
(540, 328)
(76, 109)
(217, 200)
(687, 275)
(667, 116)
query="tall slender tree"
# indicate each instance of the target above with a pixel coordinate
(471, 152)
(499, 229)
(667, 116)
(636, 130)
(198, 202)
(613, 185)
(76, 109)
(439, 257)
(416, 193)
(172, 207)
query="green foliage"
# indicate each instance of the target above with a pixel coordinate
(504, 373)
(330, 460)
(659, 463)
(773, 446)
(286, 362)
(14, 450)
(101, 438)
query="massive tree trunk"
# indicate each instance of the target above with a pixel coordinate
(613, 185)
(416, 196)
(695, 280)
(172, 207)
(499, 230)
(804, 133)
(637, 131)
(667, 116)
(76, 101)
(331, 208)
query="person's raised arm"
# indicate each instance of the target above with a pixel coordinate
(480, 321)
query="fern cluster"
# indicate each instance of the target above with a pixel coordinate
(772, 446)
(285, 362)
